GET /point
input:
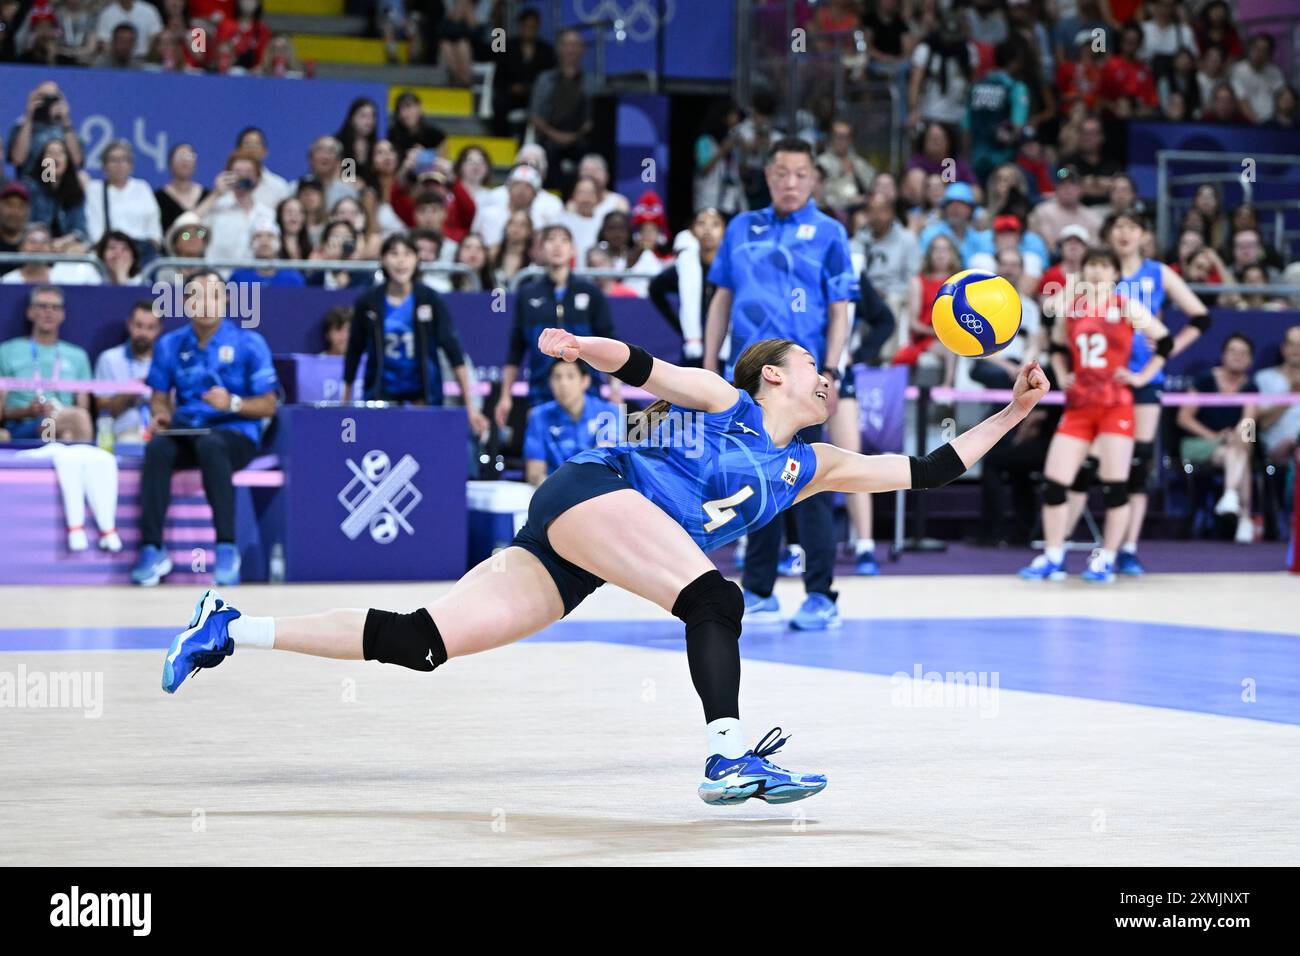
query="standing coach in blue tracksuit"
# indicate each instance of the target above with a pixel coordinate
(785, 271)
(558, 300)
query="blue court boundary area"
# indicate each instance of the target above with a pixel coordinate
(1197, 669)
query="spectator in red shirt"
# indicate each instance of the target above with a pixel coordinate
(214, 11)
(1079, 81)
(1128, 87)
(460, 204)
(246, 34)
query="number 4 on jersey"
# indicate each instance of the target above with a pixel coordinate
(722, 510)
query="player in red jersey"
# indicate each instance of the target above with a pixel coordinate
(1096, 337)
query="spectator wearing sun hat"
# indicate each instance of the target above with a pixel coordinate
(1009, 233)
(264, 241)
(975, 245)
(522, 188)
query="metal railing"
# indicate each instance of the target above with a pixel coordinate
(529, 272)
(22, 258)
(178, 264)
(1166, 181)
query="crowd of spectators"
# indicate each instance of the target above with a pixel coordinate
(1016, 123)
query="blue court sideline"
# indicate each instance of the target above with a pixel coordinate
(1198, 669)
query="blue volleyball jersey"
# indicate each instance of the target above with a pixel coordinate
(401, 365)
(737, 483)
(1147, 286)
(783, 273)
(553, 435)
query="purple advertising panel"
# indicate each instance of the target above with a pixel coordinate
(372, 494)
(882, 407)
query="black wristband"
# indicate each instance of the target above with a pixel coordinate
(937, 468)
(1058, 349)
(831, 373)
(1201, 322)
(636, 370)
(1164, 346)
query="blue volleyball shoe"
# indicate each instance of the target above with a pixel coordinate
(729, 780)
(1127, 563)
(1043, 568)
(866, 565)
(792, 563)
(1100, 571)
(205, 643)
(761, 610)
(818, 613)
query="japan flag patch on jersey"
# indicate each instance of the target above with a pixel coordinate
(806, 231)
(791, 473)
(226, 354)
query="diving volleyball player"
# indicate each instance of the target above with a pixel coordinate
(640, 516)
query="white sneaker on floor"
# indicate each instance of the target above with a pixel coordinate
(110, 542)
(1229, 504)
(77, 540)
(1245, 530)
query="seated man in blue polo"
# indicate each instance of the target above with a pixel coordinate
(400, 325)
(559, 300)
(574, 421)
(213, 386)
(976, 245)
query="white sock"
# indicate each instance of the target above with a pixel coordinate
(1055, 555)
(864, 545)
(1130, 549)
(1107, 556)
(253, 632)
(725, 737)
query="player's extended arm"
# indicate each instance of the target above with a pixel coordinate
(1198, 316)
(688, 387)
(839, 470)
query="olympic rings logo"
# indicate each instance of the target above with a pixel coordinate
(973, 324)
(639, 19)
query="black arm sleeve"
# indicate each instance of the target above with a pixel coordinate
(937, 468)
(660, 287)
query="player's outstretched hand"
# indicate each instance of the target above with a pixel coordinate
(560, 344)
(1031, 385)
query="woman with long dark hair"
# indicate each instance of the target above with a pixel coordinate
(57, 200)
(641, 515)
(516, 249)
(358, 133)
(295, 236)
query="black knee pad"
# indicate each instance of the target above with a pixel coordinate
(411, 640)
(1139, 473)
(1087, 475)
(1053, 492)
(710, 598)
(1114, 494)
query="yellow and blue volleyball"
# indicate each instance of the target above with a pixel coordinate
(976, 313)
